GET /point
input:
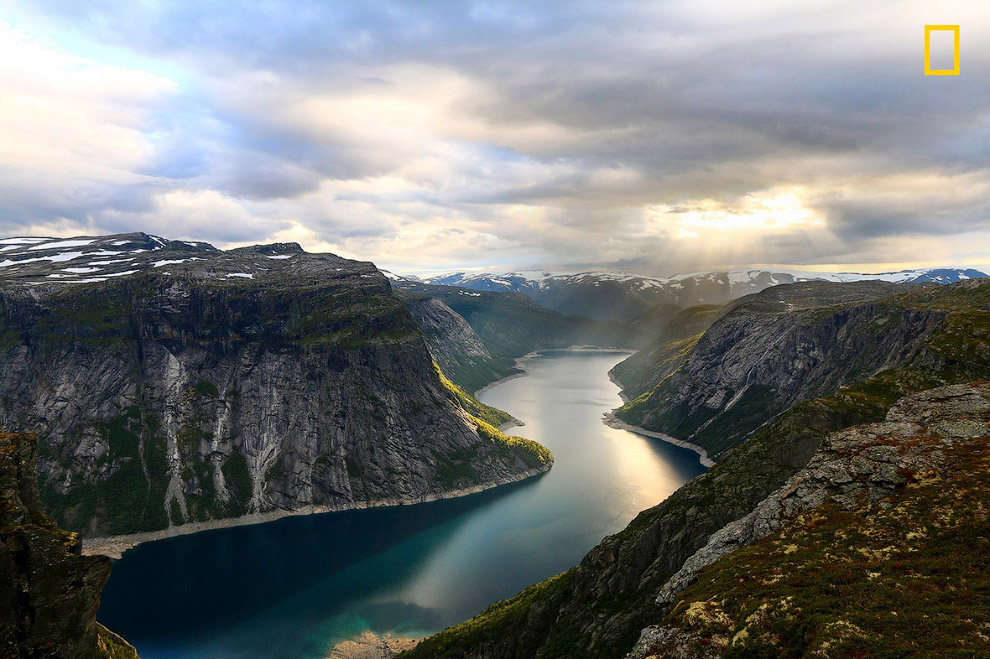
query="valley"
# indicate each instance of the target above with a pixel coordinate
(195, 409)
(409, 570)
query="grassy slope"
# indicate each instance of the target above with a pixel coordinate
(487, 420)
(911, 577)
(612, 593)
(112, 646)
(472, 405)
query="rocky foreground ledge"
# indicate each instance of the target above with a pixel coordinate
(49, 593)
(881, 545)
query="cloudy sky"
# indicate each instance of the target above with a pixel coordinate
(650, 137)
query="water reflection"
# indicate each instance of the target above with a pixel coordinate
(295, 586)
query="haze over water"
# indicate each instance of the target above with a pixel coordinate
(294, 587)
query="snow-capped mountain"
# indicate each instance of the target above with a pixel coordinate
(43, 262)
(622, 297)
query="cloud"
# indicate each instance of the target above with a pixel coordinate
(646, 136)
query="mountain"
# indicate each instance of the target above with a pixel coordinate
(599, 608)
(863, 552)
(50, 592)
(507, 325)
(783, 345)
(623, 297)
(678, 336)
(174, 383)
(460, 352)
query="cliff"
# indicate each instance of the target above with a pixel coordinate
(784, 345)
(461, 354)
(49, 592)
(174, 383)
(877, 548)
(598, 608)
(507, 325)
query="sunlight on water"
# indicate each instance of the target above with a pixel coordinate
(297, 586)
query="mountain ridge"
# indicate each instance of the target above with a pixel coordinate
(624, 297)
(173, 384)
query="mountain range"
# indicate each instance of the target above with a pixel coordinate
(623, 297)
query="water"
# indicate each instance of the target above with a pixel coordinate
(294, 587)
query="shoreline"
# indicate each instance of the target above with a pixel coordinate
(370, 645)
(622, 394)
(115, 546)
(512, 376)
(612, 421)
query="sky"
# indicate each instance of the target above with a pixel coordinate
(647, 137)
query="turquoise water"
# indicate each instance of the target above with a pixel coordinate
(294, 587)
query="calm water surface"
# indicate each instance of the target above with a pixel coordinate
(295, 587)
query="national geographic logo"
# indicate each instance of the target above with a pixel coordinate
(929, 71)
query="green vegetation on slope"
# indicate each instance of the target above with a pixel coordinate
(503, 619)
(112, 646)
(457, 470)
(533, 453)
(472, 405)
(907, 577)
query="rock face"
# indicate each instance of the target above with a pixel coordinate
(597, 609)
(886, 487)
(49, 593)
(786, 344)
(455, 346)
(199, 385)
(674, 340)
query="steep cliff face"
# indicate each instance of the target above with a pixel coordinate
(877, 548)
(199, 385)
(455, 346)
(784, 345)
(49, 593)
(598, 608)
(674, 340)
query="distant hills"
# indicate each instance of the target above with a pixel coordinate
(623, 297)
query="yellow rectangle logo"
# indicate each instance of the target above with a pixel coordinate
(929, 71)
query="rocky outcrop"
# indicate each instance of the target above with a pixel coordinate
(49, 592)
(673, 343)
(928, 453)
(786, 344)
(200, 385)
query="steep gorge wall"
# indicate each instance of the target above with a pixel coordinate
(787, 344)
(162, 400)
